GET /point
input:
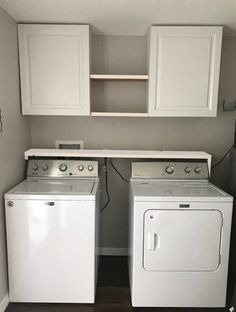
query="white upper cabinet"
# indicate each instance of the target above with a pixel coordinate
(184, 66)
(54, 68)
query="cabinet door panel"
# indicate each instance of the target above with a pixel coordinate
(184, 71)
(54, 69)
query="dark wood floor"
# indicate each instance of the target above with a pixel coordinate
(112, 294)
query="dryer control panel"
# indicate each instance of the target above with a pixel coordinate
(170, 170)
(52, 168)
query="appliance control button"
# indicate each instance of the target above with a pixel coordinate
(45, 167)
(188, 169)
(169, 169)
(80, 167)
(35, 167)
(90, 167)
(198, 169)
(62, 167)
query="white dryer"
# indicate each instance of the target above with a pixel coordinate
(179, 235)
(52, 232)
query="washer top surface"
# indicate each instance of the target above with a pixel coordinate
(54, 188)
(156, 190)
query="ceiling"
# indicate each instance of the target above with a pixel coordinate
(125, 17)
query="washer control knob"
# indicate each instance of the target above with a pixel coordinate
(80, 167)
(62, 167)
(169, 169)
(45, 167)
(90, 167)
(188, 169)
(198, 169)
(35, 167)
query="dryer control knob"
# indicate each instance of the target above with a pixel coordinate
(80, 167)
(62, 167)
(90, 167)
(45, 167)
(188, 169)
(198, 169)
(169, 169)
(35, 167)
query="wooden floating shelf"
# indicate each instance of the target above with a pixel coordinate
(117, 114)
(119, 77)
(110, 153)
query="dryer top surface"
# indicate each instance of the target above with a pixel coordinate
(175, 190)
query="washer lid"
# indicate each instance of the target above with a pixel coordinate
(55, 187)
(148, 189)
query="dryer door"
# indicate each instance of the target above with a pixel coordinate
(182, 240)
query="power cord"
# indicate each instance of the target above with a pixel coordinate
(223, 158)
(106, 181)
(1, 124)
(116, 170)
(106, 187)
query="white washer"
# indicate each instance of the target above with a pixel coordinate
(179, 236)
(52, 232)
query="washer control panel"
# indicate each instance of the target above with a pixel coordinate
(170, 170)
(62, 168)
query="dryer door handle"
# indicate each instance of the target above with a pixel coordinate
(151, 240)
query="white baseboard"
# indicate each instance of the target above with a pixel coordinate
(4, 303)
(104, 251)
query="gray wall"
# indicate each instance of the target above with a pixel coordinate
(128, 55)
(15, 137)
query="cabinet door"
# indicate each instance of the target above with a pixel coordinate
(54, 68)
(184, 70)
